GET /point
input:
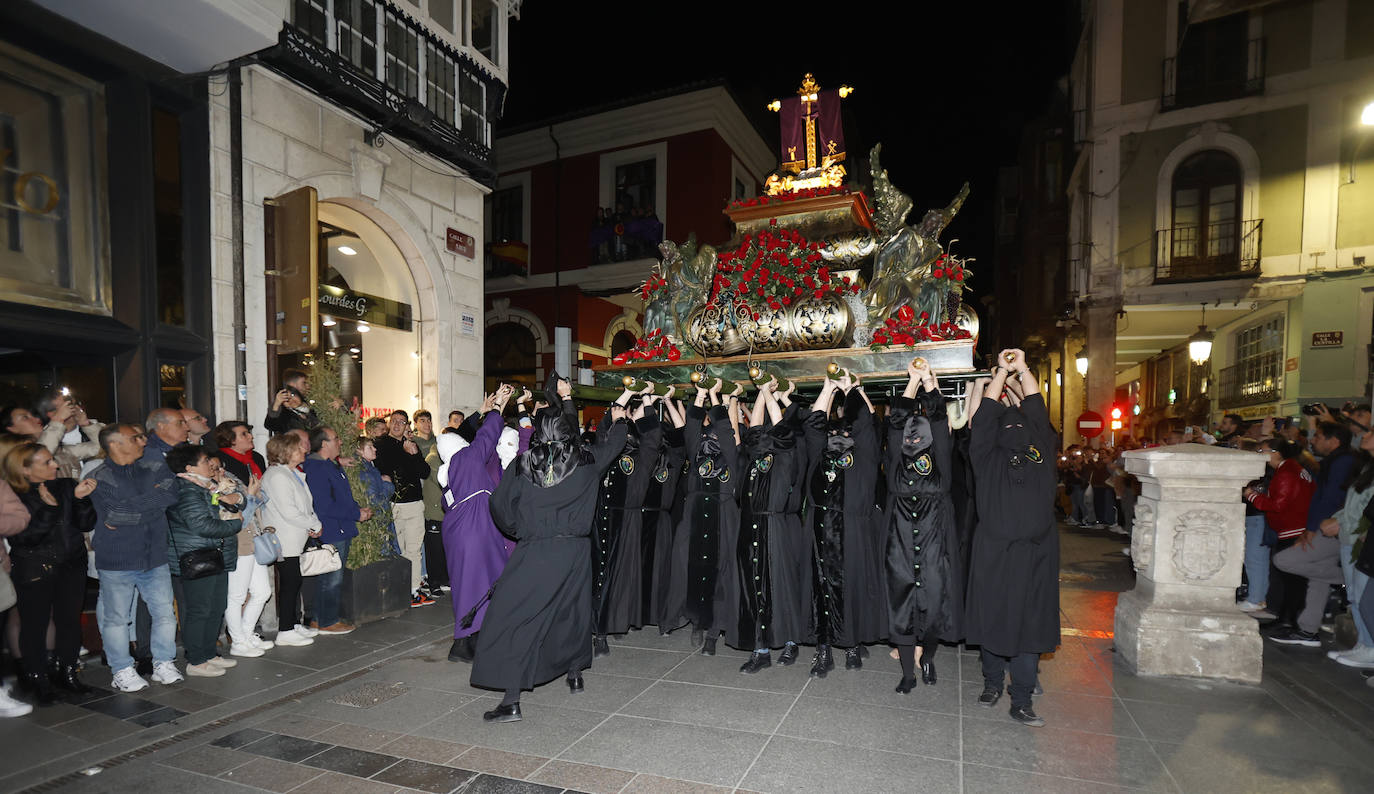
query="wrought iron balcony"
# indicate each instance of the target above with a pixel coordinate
(374, 59)
(1227, 249)
(1189, 82)
(1248, 384)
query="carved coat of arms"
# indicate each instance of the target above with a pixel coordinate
(1200, 544)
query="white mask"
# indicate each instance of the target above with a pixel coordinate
(508, 447)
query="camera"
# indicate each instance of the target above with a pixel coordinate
(1315, 409)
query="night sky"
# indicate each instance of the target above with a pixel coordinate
(946, 87)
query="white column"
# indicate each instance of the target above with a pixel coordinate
(1188, 547)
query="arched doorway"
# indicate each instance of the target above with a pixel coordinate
(511, 356)
(621, 342)
(367, 299)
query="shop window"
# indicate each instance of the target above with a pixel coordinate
(52, 186)
(357, 32)
(1258, 369)
(168, 221)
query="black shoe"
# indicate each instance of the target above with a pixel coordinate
(708, 648)
(41, 688)
(697, 637)
(575, 683)
(989, 697)
(757, 661)
(65, 676)
(463, 649)
(1027, 716)
(600, 647)
(788, 655)
(503, 713)
(852, 659)
(906, 685)
(927, 671)
(823, 663)
(1296, 637)
(863, 651)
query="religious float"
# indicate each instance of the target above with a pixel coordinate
(818, 277)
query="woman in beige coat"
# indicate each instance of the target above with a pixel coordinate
(291, 512)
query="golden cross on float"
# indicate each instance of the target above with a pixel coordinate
(813, 112)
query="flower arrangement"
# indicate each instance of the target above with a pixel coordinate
(654, 347)
(908, 329)
(773, 269)
(763, 201)
(950, 270)
(652, 284)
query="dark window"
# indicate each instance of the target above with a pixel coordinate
(1206, 208)
(441, 11)
(308, 15)
(167, 219)
(484, 28)
(622, 341)
(510, 355)
(172, 391)
(1212, 58)
(473, 96)
(508, 214)
(402, 56)
(357, 32)
(634, 185)
(441, 76)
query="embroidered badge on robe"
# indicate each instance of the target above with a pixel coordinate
(829, 475)
(1033, 455)
(845, 461)
(724, 475)
(707, 469)
(661, 475)
(627, 464)
(764, 463)
(923, 465)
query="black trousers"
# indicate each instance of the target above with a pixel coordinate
(288, 592)
(1022, 674)
(436, 560)
(58, 596)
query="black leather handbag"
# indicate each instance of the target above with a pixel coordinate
(199, 563)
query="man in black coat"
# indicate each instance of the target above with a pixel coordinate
(399, 458)
(1012, 608)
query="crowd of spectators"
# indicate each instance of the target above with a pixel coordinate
(626, 231)
(168, 517)
(1306, 519)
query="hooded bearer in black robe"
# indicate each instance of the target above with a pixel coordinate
(1013, 590)
(660, 517)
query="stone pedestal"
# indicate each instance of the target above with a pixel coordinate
(1188, 547)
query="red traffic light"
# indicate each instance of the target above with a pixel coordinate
(1116, 412)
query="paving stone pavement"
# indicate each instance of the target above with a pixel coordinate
(382, 710)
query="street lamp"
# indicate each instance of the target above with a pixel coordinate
(1059, 376)
(1367, 116)
(1366, 120)
(1200, 343)
(1080, 361)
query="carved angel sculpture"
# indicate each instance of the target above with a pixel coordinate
(688, 270)
(902, 266)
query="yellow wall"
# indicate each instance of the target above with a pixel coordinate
(1145, 23)
(1359, 28)
(1287, 38)
(1355, 210)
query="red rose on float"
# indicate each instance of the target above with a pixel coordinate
(905, 314)
(674, 354)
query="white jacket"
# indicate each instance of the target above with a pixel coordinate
(290, 509)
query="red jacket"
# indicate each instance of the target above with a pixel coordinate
(1285, 506)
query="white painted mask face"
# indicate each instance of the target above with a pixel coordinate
(508, 446)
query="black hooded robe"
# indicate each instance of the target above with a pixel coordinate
(620, 530)
(660, 519)
(925, 572)
(773, 554)
(1013, 590)
(536, 625)
(702, 581)
(849, 602)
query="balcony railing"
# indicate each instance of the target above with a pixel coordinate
(377, 61)
(1188, 87)
(1250, 384)
(1227, 249)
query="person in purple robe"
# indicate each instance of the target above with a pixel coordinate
(476, 550)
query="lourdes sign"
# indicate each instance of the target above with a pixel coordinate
(816, 271)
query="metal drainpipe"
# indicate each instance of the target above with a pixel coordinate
(557, 229)
(236, 235)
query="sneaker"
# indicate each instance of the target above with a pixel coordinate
(9, 707)
(989, 697)
(220, 661)
(338, 629)
(1263, 614)
(205, 670)
(128, 680)
(293, 638)
(1249, 606)
(419, 599)
(240, 649)
(305, 631)
(1361, 656)
(258, 642)
(1296, 637)
(1027, 716)
(167, 673)
(1118, 529)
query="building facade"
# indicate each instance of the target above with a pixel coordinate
(333, 169)
(577, 213)
(1223, 163)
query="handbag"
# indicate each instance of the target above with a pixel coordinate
(202, 562)
(320, 559)
(266, 547)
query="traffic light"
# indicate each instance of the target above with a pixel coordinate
(1117, 415)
